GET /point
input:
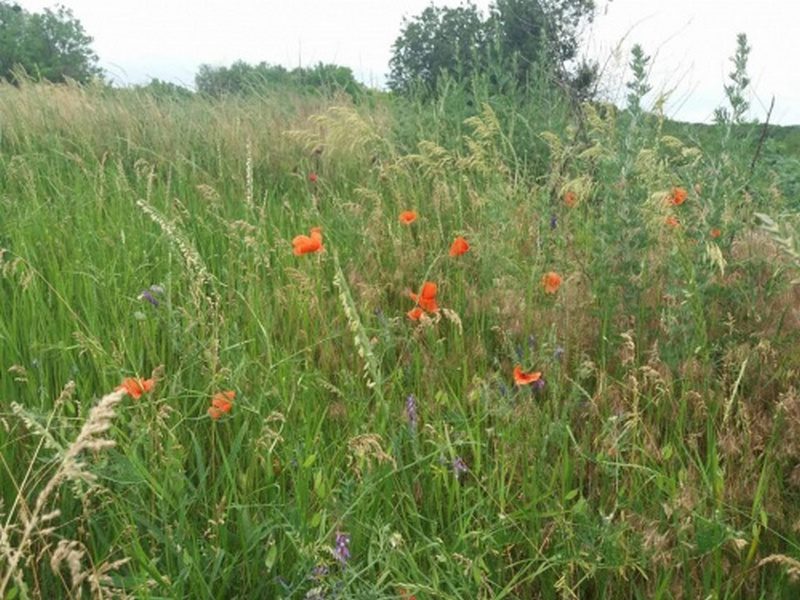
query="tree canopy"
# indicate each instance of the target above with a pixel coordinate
(515, 35)
(50, 45)
(242, 77)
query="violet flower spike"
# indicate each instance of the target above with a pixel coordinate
(459, 467)
(146, 295)
(411, 411)
(150, 294)
(342, 549)
(319, 572)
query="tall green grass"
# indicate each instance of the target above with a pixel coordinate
(658, 461)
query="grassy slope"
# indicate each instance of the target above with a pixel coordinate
(658, 461)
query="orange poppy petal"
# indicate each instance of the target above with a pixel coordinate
(300, 240)
(304, 244)
(222, 405)
(459, 247)
(415, 314)
(522, 378)
(429, 290)
(429, 305)
(408, 216)
(223, 401)
(135, 387)
(426, 299)
(678, 196)
(551, 282)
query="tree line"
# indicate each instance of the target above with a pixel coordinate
(513, 40)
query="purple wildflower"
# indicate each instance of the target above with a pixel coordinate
(411, 411)
(319, 572)
(538, 385)
(459, 467)
(148, 294)
(342, 549)
(553, 222)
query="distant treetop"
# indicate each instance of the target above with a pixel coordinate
(50, 45)
(514, 37)
(243, 78)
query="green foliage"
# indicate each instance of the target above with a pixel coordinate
(639, 85)
(538, 30)
(517, 37)
(439, 41)
(50, 45)
(658, 460)
(243, 78)
(735, 91)
(165, 90)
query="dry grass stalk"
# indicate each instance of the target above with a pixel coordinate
(15, 549)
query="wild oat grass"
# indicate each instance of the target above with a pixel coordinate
(367, 455)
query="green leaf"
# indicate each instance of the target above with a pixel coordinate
(272, 555)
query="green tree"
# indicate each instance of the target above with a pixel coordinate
(164, 90)
(243, 78)
(51, 45)
(439, 41)
(516, 36)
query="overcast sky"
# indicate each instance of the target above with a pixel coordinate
(691, 41)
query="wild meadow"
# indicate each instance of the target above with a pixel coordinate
(593, 395)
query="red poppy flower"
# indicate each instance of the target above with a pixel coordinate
(415, 314)
(135, 387)
(304, 244)
(427, 297)
(221, 404)
(459, 246)
(678, 196)
(312, 177)
(715, 233)
(551, 282)
(407, 217)
(522, 378)
(570, 198)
